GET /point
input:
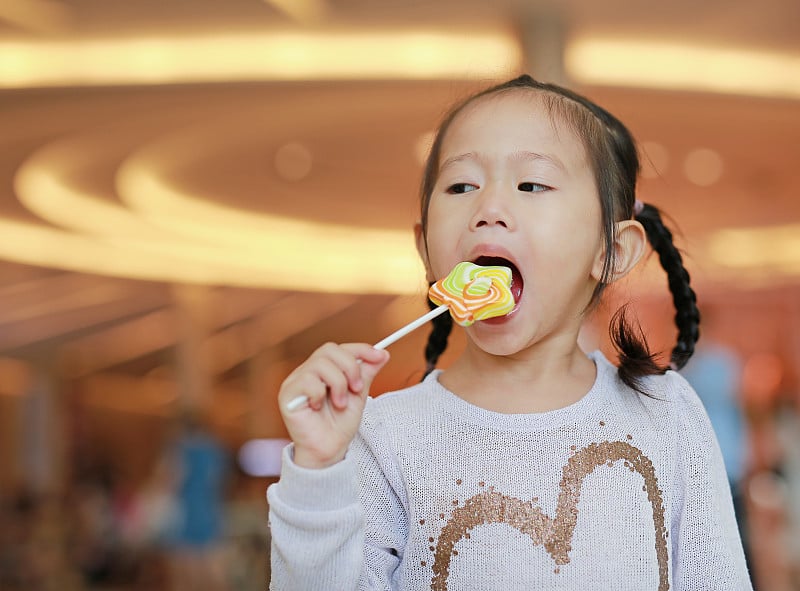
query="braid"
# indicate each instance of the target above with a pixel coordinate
(687, 316)
(437, 340)
(636, 360)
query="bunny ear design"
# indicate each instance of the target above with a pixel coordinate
(555, 534)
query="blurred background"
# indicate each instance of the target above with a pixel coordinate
(194, 195)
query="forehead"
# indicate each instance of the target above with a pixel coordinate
(515, 120)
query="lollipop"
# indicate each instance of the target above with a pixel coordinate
(470, 292)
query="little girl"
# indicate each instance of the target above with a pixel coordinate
(527, 464)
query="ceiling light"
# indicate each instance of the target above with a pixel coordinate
(314, 256)
(169, 236)
(268, 55)
(677, 65)
(768, 249)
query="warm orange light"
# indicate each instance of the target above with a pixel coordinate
(167, 235)
(771, 249)
(667, 64)
(266, 55)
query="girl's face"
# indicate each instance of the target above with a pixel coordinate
(514, 187)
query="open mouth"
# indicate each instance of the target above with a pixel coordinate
(517, 284)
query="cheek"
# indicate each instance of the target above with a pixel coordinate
(584, 242)
(574, 243)
(443, 235)
(440, 210)
(441, 257)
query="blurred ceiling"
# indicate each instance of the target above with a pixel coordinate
(286, 205)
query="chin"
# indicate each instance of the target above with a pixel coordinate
(498, 345)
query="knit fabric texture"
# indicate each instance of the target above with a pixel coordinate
(617, 491)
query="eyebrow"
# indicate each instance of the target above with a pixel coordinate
(520, 156)
(525, 155)
(456, 159)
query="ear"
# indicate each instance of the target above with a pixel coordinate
(422, 249)
(628, 247)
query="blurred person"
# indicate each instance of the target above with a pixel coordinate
(787, 424)
(153, 523)
(16, 571)
(46, 548)
(249, 541)
(201, 464)
(788, 427)
(767, 490)
(95, 544)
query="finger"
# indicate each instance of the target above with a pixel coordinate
(346, 358)
(367, 353)
(373, 361)
(330, 373)
(306, 384)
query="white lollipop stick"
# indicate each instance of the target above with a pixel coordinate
(411, 326)
(293, 405)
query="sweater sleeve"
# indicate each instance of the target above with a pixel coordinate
(706, 547)
(316, 525)
(341, 527)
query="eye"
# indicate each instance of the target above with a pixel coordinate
(531, 187)
(460, 188)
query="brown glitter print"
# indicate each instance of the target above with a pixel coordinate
(555, 534)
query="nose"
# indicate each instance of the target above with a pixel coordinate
(492, 209)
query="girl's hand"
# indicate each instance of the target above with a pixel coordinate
(336, 385)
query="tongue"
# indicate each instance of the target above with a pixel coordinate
(516, 284)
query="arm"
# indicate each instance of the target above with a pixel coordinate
(317, 529)
(316, 518)
(341, 527)
(706, 548)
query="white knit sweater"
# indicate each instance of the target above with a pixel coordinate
(615, 492)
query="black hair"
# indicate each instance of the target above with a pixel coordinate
(612, 153)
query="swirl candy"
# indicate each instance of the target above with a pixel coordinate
(472, 292)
